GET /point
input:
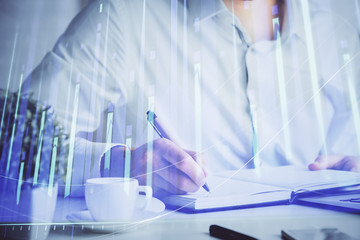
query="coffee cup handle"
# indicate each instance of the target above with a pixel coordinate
(147, 190)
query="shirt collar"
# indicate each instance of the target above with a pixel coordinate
(293, 24)
(203, 10)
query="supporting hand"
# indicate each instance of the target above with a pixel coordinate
(338, 162)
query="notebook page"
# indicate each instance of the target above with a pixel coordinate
(295, 177)
(230, 192)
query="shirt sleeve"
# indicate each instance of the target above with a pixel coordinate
(341, 78)
(83, 58)
(82, 75)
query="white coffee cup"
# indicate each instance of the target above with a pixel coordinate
(115, 199)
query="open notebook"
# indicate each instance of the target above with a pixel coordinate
(268, 186)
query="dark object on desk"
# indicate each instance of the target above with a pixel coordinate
(315, 234)
(227, 234)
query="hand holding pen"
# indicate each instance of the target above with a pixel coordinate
(160, 130)
(166, 166)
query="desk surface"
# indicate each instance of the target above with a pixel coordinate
(262, 223)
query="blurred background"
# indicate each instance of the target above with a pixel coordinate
(36, 25)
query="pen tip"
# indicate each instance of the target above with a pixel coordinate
(206, 187)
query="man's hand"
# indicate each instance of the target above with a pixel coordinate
(337, 162)
(174, 170)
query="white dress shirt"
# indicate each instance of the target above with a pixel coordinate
(271, 102)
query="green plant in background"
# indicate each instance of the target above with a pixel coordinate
(33, 144)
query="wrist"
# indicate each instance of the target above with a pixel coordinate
(112, 161)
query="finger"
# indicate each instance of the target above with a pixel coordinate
(175, 177)
(172, 180)
(201, 159)
(139, 163)
(174, 159)
(324, 162)
(163, 187)
(180, 159)
(348, 164)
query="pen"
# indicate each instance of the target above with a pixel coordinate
(154, 122)
(227, 234)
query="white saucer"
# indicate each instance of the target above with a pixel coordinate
(83, 219)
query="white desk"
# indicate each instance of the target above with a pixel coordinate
(262, 223)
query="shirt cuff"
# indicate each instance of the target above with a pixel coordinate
(116, 163)
(86, 164)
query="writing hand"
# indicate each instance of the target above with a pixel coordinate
(337, 162)
(173, 169)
